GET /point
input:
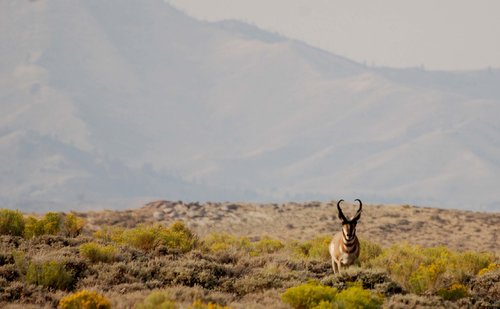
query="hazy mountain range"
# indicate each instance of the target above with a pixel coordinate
(104, 103)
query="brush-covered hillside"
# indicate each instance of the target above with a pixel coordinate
(170, 254)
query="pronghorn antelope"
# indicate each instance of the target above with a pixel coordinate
(344, 247)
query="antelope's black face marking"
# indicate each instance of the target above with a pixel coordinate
(349, 229)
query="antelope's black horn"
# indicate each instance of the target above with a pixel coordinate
(341, 214)
(360, 204)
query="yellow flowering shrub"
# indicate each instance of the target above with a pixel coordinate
(198, 304)
(84, 300)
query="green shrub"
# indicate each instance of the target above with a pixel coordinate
(325, 305)
(72, 225)
(51, 274)
(143, 237)
(20, 261)
(49, 224)
(217, 242)
(84, 300)
(319, 247)
(357, 297)
(369, 251)
(98, 253)
(107, 233)
(314, 295)
(158, 299)
(421, 270)
(53, 223)
(427, 276)
(400, 261)
(198, 304)
(266, 245)
(33, 227)
(11, 222)
(176, 238)
(308, 295)
(316, 248)
(454, 292)
(468, 263)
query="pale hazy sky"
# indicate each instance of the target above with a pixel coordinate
(439, 34)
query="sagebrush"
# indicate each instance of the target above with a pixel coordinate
(43, 259)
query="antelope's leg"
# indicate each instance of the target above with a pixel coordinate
(334, 266)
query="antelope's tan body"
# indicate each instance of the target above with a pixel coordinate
(340, 254)
(344, 247)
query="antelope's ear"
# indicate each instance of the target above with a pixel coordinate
(356, 216)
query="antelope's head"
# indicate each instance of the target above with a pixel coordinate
(349, 226)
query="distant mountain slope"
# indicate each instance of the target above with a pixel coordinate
(475, 84)
(113, 100)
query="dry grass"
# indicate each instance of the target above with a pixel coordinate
(382, 224)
